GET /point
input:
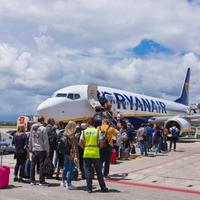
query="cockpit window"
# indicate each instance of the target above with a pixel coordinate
(73, 96)
(77, 96)
(70, 96)
(61, 95)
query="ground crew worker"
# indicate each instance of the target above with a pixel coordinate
(91, 141)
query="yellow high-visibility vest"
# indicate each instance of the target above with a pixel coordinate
(91, 138)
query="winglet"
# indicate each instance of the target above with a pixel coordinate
(184, 98)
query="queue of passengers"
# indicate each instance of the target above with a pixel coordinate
(84, 145)
(152, 137)
(71, 144)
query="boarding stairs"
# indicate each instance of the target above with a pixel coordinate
(93, 100)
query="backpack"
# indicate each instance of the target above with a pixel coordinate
(51, 132)
(64, 145)
(124, 136)
(173, 131)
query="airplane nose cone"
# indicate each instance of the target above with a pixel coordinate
(50, 108)
(43, 108)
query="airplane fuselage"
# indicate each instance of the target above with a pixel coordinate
(64, 105)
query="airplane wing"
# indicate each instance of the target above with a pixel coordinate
(193, 116)
(163, 119)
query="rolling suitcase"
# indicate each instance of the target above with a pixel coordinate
(124, 153)
(113, 159)
(4, 170)
(164, 146)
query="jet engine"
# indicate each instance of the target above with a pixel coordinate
(182, 124)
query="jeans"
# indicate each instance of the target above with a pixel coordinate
(157, 146)
(38, 156)
(20, 158)
(106, 153)
(96, 162)
(67, 173)
(143, 147)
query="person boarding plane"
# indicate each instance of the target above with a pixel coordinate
(78, 102)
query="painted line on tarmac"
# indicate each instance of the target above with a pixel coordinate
(159, 167)
(155, 187)
(168, 162)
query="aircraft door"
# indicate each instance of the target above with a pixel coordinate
(92, 96)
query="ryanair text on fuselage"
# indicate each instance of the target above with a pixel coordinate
(136, 103)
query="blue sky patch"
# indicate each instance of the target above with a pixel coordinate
(150, 47)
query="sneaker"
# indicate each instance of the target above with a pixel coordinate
(105, 189)
(43, 183)
(20, 179)
(32, 183)
(107, 176)
(63, 184)
(15, 179)
(71, 187)
(89, 190)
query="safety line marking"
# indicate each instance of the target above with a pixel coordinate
(155, 187)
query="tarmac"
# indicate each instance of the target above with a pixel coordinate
(169, 176)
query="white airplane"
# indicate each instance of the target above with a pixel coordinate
(78, 102)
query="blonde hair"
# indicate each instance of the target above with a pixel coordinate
(20, 130)
(70, 128)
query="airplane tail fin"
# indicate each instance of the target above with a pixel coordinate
(184, 98)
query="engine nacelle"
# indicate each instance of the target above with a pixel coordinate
(182, 124)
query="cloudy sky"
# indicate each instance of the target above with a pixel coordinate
(142, 46)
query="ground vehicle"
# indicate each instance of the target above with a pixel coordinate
(8, 138)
